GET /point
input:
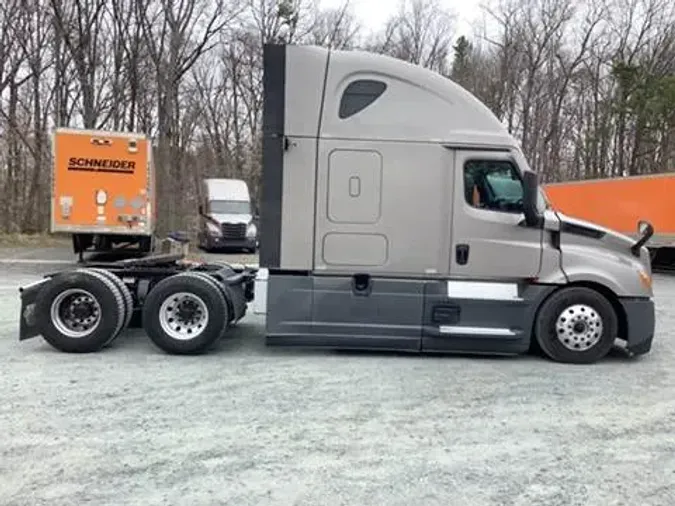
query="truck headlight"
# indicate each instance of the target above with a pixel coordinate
(251, 231)
(213, 229)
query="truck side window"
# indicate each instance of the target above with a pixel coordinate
(359, 95)
(493, 185)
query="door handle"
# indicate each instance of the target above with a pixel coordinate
(462, 253)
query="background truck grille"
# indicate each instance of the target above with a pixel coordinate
(234, 230)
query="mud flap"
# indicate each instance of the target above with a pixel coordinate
(27, 323)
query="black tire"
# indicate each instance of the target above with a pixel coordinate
(124, 290)
(103, 292)
(231, 300)
(564, 310)
(207, 293)
(223, 289)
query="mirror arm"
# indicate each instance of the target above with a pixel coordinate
(648, 233)
(533, 217)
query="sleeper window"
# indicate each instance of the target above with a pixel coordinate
(359, 95)
(493, 185)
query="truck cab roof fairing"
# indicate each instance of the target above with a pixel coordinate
(415, 104)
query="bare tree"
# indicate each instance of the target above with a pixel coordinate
(420, 33)
(80, 25)
(336, 28)
(177, 34)
(587, 86)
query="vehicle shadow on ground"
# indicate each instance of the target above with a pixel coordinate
(248, 339)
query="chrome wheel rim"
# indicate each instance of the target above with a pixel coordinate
(579, 327)
(75, 313)
(183, 316)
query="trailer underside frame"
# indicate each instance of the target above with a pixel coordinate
(663, 258)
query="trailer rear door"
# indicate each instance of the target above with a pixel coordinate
(102, 183)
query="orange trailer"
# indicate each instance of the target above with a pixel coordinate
(103, 189)
(619, 203)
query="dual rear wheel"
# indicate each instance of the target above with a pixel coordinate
(89, 308)
(86, 310)
(186, 313)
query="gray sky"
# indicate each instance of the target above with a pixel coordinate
(374, 13)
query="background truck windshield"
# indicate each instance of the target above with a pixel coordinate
(230, 207)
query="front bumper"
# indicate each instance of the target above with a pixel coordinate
(640, 324)
(221, 242)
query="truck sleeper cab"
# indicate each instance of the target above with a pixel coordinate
(401, 215)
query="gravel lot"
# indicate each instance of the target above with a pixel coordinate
(250, 425)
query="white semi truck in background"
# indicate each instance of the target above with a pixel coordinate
(398, 214)
(228, 218)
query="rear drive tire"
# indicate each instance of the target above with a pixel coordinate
(223, 289)
(124, 290)
(576, 325)
(185, 314)
(83, 312)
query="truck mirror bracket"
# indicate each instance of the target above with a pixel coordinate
(531, 191)
(647, 231)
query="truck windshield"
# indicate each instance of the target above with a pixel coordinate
(505, 186)
(494, 185)
(230, 207)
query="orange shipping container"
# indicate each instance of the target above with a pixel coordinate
(102, 184)
(619, 203)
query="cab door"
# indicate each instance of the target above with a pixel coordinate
(490, 239)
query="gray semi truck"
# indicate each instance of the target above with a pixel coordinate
(399, 214)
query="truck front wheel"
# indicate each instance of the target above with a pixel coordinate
(185, 314)
(576, 325)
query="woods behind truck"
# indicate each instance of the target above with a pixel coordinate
(103, 189)
(398, 214)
